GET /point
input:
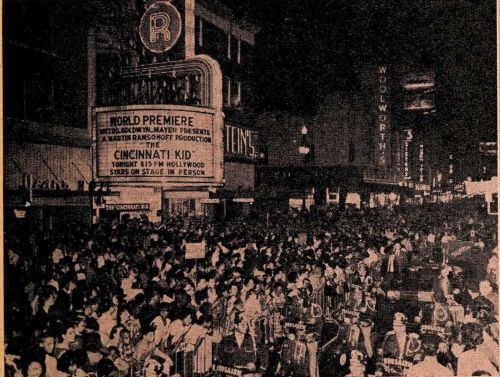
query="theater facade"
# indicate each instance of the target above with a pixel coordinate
(147, 113)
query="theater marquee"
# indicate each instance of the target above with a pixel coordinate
(163, 143)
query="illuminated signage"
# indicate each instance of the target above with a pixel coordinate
(243, 200)
(382, 117)
(418, 81)
(160, 27)
(406, 153)
(421, 162)
(489, 147)
(241, 142)
(419, 91)
(157, 143)
(128, 207)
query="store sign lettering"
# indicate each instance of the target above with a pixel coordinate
(160, 27)
(241, 142)
(406, 153)
(160, 22)
(382, 116)
(421, 162)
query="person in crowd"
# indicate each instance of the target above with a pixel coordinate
(67, 338)
(486, 291)
(429, 366)
(442, 289)
(470, 357)
(294, 360)
(161, 322)
(125, 347)
(46, 352)
(397, 342)
(147, 349)
(394, 265)
(128, 322)
(44, 310)
(241, 350)
(179, 336)
(35, 368)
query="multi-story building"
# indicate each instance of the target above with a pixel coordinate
(219, 34)
(377, 138)
(91, 56)
(46, 139)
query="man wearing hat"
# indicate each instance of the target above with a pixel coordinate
(394, 265)
(397, 343)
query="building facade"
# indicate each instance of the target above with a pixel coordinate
(46, 139)
(50, 107)
(383, 130)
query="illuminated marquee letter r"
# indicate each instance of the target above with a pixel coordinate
(160, 22)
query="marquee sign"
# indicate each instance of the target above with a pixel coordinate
(160, 27)
(158, 143)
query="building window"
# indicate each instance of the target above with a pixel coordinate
(352, 152)
(238, 56)
(235, 93)
(182, 206)
(200, 32)
(227, 91)
(214, 41)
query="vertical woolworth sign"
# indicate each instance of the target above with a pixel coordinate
(160, 27)
(158, 143)
(383, 108)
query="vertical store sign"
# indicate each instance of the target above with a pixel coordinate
(406, 153)
(421, 162)
(160, 27)
(382, 116)
(450, 169)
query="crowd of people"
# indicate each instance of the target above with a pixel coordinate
(320, 293)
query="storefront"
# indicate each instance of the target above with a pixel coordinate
(242, 152)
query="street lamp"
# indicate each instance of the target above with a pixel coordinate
(304, 147)
(304, 150)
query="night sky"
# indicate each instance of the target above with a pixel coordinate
(306, 49)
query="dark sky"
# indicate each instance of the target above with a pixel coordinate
(308, 48)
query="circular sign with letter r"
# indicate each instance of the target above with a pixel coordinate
(160, 27)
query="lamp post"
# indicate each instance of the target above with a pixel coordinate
(304, 150)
